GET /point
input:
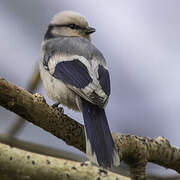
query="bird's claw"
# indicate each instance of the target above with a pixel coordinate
(60, 109)
(55, 105)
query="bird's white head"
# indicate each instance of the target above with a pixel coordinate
(69, 23)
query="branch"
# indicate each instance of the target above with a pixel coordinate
(20, 165)
(134, 150)
(34, 109)
(40, 149)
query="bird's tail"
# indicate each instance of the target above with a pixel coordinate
(100, 146)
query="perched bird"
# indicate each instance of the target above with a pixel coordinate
(74, 74)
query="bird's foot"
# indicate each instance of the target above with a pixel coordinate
(60, 109)
(55, 105)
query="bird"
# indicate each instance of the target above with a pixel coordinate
(74, 73)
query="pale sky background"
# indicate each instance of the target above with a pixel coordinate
(140, 40)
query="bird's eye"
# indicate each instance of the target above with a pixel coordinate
(74, 26)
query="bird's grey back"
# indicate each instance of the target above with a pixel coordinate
(73, 46)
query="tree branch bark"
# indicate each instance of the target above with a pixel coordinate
(17, 164)
(34, 109)
(40, 149)
(134, 150)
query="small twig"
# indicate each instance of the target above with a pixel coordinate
(19, 123)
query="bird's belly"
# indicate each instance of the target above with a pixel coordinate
(58, 91)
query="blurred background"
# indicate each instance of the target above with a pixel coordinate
(140, 41)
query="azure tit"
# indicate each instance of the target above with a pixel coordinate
(74, 73)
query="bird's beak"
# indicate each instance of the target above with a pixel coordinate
(89, 30)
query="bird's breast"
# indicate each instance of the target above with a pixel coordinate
(58, 91)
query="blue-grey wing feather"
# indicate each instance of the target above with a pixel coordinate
(73, 73)
(104, 79)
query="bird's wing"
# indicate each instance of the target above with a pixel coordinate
(89, 78)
